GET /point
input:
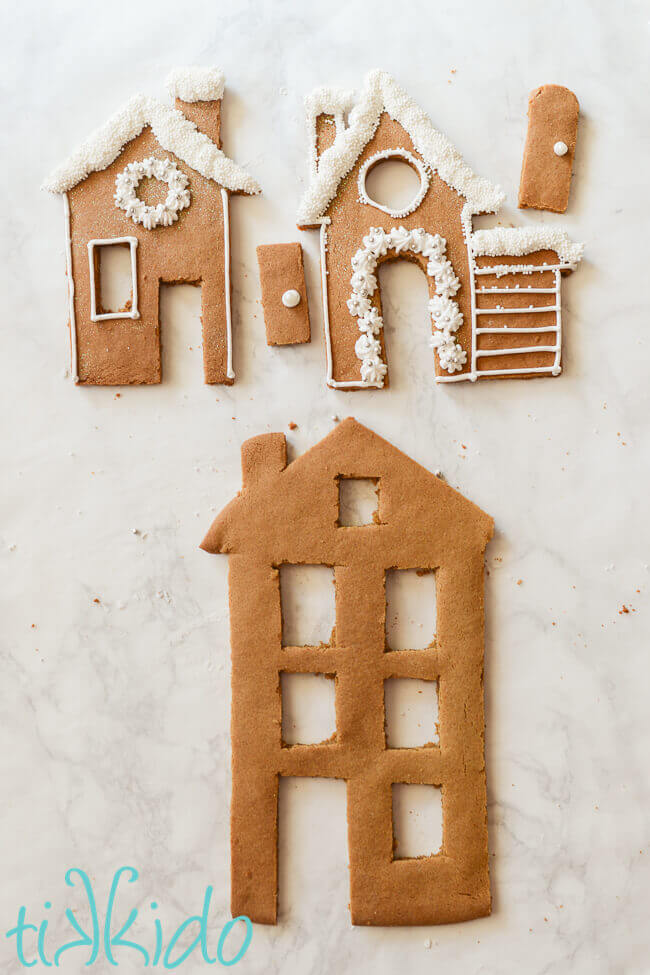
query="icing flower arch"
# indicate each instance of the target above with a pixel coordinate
(446, 315)
(165, 214)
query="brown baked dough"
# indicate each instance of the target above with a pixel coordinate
(289, 514)
(281, 270)
(545, 176)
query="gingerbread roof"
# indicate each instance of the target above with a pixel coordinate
(381, 93)
(172, 129)
(275, 495)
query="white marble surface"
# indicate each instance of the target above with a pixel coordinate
(114, 695)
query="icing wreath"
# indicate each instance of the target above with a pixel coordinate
(446, 315)
(165, 214)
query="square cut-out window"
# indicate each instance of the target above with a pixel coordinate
(308, 605)
(113, 278)
(411, 709)
(358, 501)
(410, 609)
(417, 820)
(308, 708)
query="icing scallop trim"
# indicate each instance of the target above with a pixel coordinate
(174, 132)
(382, 93)
(446, 314)
(194, 84)
(517, 241)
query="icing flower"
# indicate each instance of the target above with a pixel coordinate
(445, 313)
(373, 371)
(363, 283)
(366, 346)
(358, 305)
(446, 280)
(372, 322)
(451, 356)
(376, 241)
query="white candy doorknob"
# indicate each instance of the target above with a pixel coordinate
(560, 148)
(291, 298)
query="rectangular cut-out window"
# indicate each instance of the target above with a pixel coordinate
(417, 820)
(411, 710)
(309, 868)
(308, 605)
(308, 708)
(113, 278)
(358, 501)
(410, 609)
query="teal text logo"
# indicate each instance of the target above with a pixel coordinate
(105, 937)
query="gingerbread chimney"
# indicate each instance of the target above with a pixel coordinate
(198, 93)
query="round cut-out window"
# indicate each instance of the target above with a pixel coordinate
(393, 181)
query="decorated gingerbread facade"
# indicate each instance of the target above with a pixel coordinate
(290, 515)
(182, 237)
(494, 294)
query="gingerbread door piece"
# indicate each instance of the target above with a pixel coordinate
(290, 515)
(180, 234)
(550, 147)
(284, 294)
(494, 294)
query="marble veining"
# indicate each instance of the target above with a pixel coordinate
(114, 737)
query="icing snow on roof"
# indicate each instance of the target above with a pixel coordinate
(382, 93)
(172, 129)
(517, 241)
(196, 84)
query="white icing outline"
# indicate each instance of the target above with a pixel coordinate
(106, 316)
(379, 243)
(409, 158)
(381, 93)
(74, 366)
(230, 372)
(174, 132)
(163, 214)
(195, 84)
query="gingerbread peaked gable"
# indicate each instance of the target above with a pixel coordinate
(172, 129)
(275, 495)
(382, 94)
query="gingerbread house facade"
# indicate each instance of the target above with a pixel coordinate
(182, 238)
(290, 515)
(494, 295)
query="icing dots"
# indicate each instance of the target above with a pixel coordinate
(291, 298)
(560, 148)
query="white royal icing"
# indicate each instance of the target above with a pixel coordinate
(163, 214)
(517, 241)
(394, 154)
(332, 102)
(195, 84)
(291, 298)
(174, 132)
(560, 148)
(445, 312)
(382, 93)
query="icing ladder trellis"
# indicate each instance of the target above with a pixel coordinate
(480, 309)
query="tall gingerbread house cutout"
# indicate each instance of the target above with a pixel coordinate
(290, 515)
(184, 238)
(495, 299)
